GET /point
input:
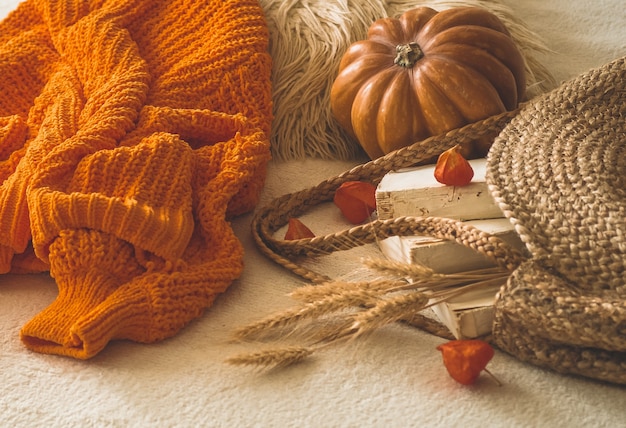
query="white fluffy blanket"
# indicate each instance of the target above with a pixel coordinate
(393, 379)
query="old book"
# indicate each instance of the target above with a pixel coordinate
(469, 315)
(448, 256)
(415, 192)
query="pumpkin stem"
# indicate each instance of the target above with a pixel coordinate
(407, 55)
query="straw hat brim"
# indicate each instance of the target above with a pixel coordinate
(558, 171)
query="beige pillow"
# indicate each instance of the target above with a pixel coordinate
(308, 39)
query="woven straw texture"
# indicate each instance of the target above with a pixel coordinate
(558, 172)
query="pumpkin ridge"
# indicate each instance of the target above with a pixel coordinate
(366, 108)
(387, 31)
(399, 118)
(364, 48)
(471, 34)
(431, 99)
(414, 20)
(349, 82)
(487, 65)
(475, 99)
(495, 43)
(453, 18)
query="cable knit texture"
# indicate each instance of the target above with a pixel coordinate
(130, 132)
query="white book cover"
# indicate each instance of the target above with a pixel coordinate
(447, 256)
(416, 192)
(469, 315)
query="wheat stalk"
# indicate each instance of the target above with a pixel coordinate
(273, 357)
(420, 273)
(387, 311)
(342, 310)
(449, 293)
(324, 305)
(374, 288)
(399, 269)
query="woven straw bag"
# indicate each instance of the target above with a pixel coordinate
(558, 171)
(557, 168)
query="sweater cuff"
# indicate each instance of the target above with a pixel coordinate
(88, 267)
(74, 325)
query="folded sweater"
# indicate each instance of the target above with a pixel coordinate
(130, 132)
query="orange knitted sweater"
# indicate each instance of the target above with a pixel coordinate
(130, 132)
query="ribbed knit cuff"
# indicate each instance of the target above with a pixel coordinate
(142, 194)
(76, 325)
(89, 267)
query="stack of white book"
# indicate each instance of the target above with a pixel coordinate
(415, 192)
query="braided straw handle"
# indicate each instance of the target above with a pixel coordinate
(270, 218)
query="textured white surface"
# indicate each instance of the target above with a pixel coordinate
(393, 379)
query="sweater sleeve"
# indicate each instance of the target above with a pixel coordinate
(139, 244)
(106, 293)
(147, 131)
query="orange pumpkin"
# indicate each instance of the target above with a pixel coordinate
(426, 73)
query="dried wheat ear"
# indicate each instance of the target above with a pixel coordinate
(338, 311)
